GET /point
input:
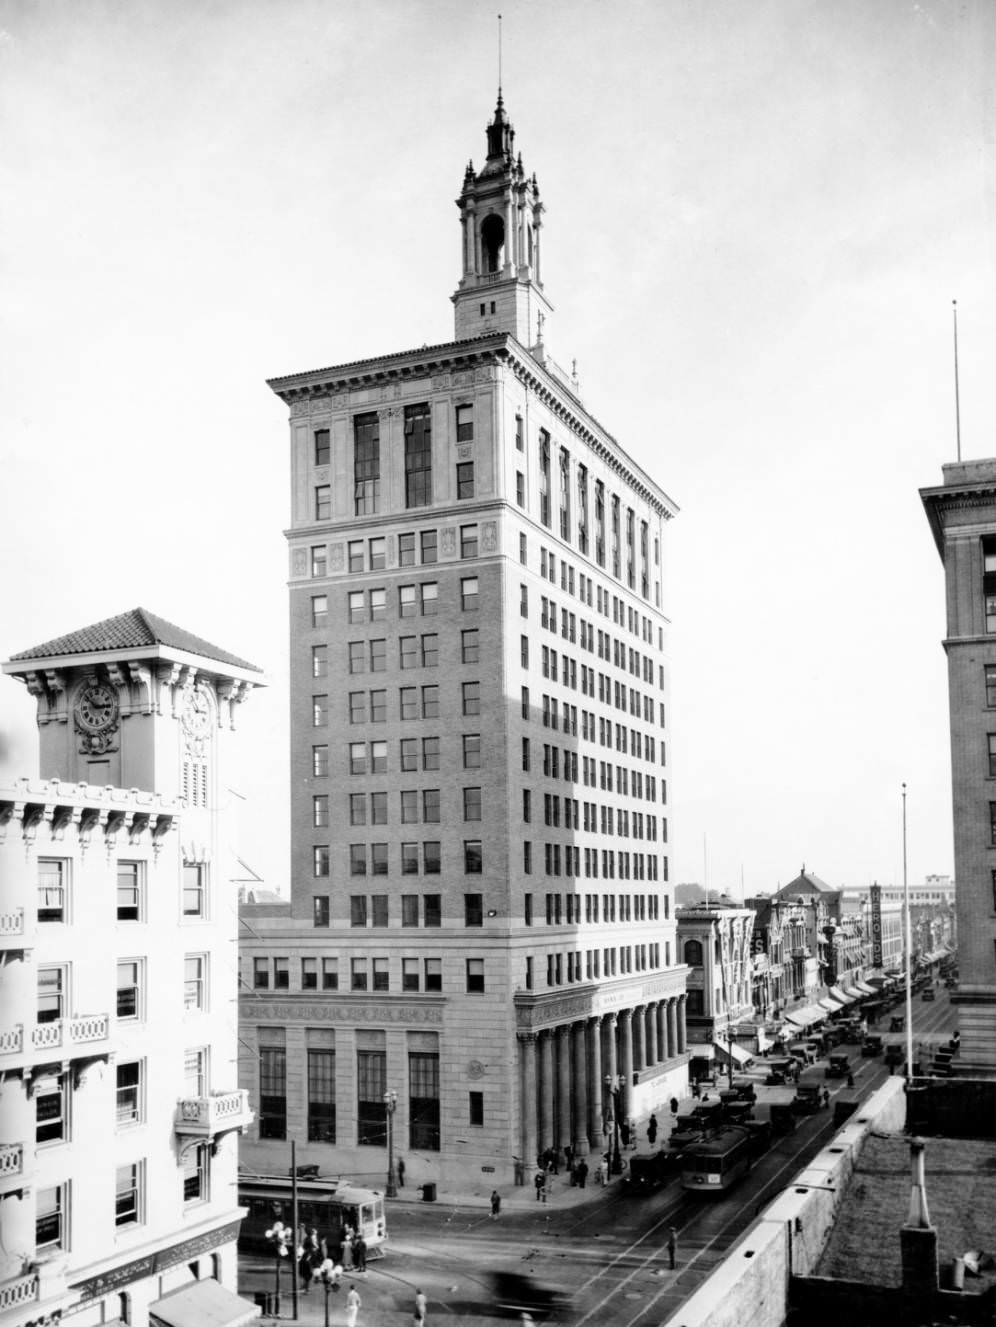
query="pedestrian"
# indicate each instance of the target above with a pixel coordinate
(672, 1246)
(826, 1097)
(652, 1130)
(540, 1182)
(568, 1155)
(359, 1252)
(603, 1171)
(421, 1305)
(304, 1268)
(624, 1133)
(674, 1105)
(347, 1246)
(495, 1204)
(352, 1306)
(696, 1090)
(401, 1172)
(582, 1173)
(850, 1079)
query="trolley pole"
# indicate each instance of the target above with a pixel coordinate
(909, 955)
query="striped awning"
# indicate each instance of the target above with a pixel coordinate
(841, 996)
(865, 988)
(808, 1014)
(831, 1006)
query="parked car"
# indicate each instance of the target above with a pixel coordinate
(781, 1069)
(928, 993)
(838, 1066)
(872, 1045)
(801, 1050)
(808, 1099)
(895, 1055)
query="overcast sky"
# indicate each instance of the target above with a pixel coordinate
(757, 217)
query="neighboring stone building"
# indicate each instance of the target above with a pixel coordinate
(480, 916)
(962, 516)
(119, 1101)
(715, 944)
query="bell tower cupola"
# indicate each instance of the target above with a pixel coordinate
(501, 287)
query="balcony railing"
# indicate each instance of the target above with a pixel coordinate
(12, 924)
(11, 1163)
(11, 1040)
(204, 1117)
(19, 1290)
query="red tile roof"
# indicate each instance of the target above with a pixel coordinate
(136, 629)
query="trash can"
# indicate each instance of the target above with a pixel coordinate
(429, 1193)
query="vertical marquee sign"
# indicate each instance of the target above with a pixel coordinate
(876, 917)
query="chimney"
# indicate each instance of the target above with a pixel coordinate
(918, 1238)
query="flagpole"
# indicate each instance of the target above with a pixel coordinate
(954, 305)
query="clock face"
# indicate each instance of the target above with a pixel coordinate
(196, 713)
(97, 708)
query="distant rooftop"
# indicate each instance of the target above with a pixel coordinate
(805, 883)
(136, 629)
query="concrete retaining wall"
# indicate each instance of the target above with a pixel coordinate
(750, 1288)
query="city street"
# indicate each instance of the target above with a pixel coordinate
(602, 1247)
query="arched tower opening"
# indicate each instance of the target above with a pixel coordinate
(493, 242)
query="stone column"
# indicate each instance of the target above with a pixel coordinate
(580, 1090)
(682, 1030)
(527, 1094)
(660, 1018)
(596, 1088)
(626, 1060)
(609, 1026)
(563, 1136)
(672, 1026)
(637, 1031)
(545, 1138)
(650, 1035)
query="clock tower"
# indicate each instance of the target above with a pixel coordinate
(135, 702)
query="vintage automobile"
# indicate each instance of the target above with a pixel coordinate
(808, 1099)
(928, 993)
(803, 1051)
(872, 1045)
(838, 1066)
(781, 1069)
(782, 1117)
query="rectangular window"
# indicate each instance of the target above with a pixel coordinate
(51, 1226)
(410, 974)
(371, 1086)
(321, 1095)
(323, 502)
(378, 859)
(52, 880)
(261, 974)
(195, 981)
(429, 547)
(471, 697)
(992, 824)
(472, 857)
(418, 456)
(319, 610)
(465, 479)
(468, 541)
(523, 546)
(273, 1091)
(320, 711)
(433, 974)
(194, 883)
(358, 974)
(423, 1101)
(378, 656)
(430, 748)
(128, 1194)
(319, 559)
(406, 550)
(321, 861)
(378, 553)
(991, 739)
(357, 861)
(330, 974)
(470, 650)
(473, 909)
(129, 993)
(319, 661)
(196, 1174)
(520, 488)
(465, 423)
(407, 652)
(354, 554)
(475, 976)
(430, 650)
(366, 464)
(322, 447)
(128, 1093)
(320, 904)
(130, 881)
(471, 803)
(407, 603)
(51, 1101)
(990, 679)
(430, 806)
(378, 707)
(409, 906)
(469, 594)
(431, 859)
(357, 707)
(409, 859)
(309, 974)
(472, 751)
(320, 761)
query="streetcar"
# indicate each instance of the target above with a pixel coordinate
(330, 1206)
(717, 1163)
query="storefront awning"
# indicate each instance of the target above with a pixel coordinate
(809, 1013)
(741, 1058)
(865, 989)
(831, 1006)
(203, 1304)
(841, 996)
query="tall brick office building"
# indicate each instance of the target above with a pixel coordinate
(480, 919)
(962, 515)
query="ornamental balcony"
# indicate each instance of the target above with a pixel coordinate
(11, 1167)
(17, 1291)
(12, 925)
(66, 1035)
(208, 1119)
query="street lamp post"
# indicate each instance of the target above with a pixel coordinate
(613, 1083)
(391, 1103)
(279, 1237)
(329, 1274)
